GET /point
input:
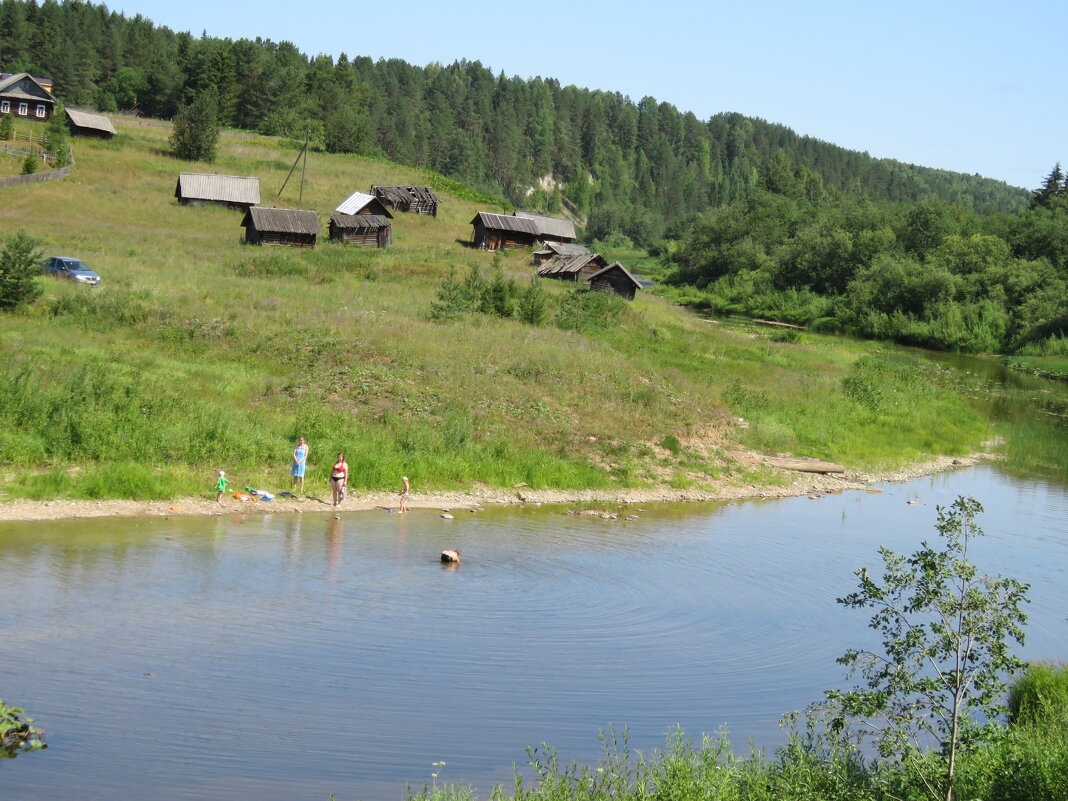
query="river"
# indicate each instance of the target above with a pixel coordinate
(295, 656)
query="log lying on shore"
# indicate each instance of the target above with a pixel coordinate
(803, 465)
(780, 325)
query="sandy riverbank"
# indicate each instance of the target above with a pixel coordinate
(799, 484)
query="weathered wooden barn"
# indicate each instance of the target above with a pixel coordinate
(291, 227)
(577, 267)
(411, 199)
(83, 123)
(616, 279)
(362, 230)
(24, 96)
(494, 231)
(497, 231)
(554, 249)
(550, 229)
(362, 203)
(232, 191)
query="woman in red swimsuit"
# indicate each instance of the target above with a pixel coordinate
(339, 476)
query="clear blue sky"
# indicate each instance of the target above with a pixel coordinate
(975, 87)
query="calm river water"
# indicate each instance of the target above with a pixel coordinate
(290, 657)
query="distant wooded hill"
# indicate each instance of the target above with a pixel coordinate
(621, 167)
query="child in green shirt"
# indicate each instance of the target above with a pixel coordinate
(220, 486)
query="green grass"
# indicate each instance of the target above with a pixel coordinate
(199, 353)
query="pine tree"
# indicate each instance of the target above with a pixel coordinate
(56, 137)
(19, 272)
(1054, 186)
(196, 129)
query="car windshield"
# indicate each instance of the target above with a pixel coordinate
(72, 264)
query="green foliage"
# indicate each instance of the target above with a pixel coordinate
(196, 129)
(1039, 698)
(7, 127)
(19, 270)
(17, 733)
(945, 632)
(532, 305)
(31, 163)
(589, 312)
(924, 274)
(56, 140)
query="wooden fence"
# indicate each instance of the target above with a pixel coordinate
(39, 177)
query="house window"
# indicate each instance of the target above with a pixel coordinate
(5, 106)
(24, 109)
(41, 111)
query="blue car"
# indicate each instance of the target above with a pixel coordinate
(71, 269)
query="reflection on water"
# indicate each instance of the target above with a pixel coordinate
(283, 657)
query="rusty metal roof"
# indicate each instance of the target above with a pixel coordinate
(83, 119)
(219, 188)
(283, 221)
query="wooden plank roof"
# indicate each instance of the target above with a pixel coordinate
(405, 194)
(219, 188)
(505, 222)
(563, 249)
(549, 226)
(565, 265)
(97, 122)
(617, 266)
(282, 221)
(352, 221)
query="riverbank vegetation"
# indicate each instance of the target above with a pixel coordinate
(198, 352)
(1028, 762)
(926, 274)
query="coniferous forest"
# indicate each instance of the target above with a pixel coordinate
(624, 167)
(750, 216)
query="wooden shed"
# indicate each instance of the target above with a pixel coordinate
(232, 191)
(82, 123)
(615, 279)
(554, 249)
(578, 267)
(550, 229)
(269, 226)
(362, 230)
(412, 199)
(496, 231)
(362, 203)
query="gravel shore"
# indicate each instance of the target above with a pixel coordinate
(799, 484)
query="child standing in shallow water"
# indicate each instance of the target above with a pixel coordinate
(405, 493)
(220, 486)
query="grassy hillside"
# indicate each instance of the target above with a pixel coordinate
(199, 352)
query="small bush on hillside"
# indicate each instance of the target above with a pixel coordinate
(19, 271)
(7, 127)
(532, 306)
(587, 312)
(31, 163)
